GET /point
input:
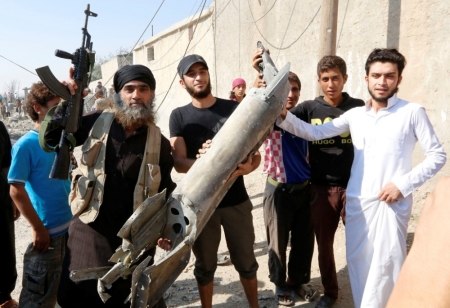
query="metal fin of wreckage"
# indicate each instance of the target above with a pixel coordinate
(157, 278)
(190, 206)
(204, 186)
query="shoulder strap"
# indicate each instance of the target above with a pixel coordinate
(152, 152)
(43, 130)
(96, 172)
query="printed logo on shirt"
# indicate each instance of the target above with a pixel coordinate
(330, 141)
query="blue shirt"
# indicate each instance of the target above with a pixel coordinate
(31, 166)
(285, 157)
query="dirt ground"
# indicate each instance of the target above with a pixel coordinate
(228, 291)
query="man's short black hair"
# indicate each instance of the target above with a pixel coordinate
(386, 55)
(328, 62)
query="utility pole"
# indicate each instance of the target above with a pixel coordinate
(328, 29)
(26, 92)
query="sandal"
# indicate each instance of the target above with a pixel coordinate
(284, 296)
(306, 293)
(222, 259)
(325, 302)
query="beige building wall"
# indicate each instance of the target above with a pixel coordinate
(168, 49)
(229, 30)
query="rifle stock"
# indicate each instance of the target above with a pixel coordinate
(72, 108)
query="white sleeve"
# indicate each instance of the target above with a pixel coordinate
(435, 156)
(311, 132)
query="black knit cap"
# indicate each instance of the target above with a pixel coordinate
(133, 72)
(186, 63)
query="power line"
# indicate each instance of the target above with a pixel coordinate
(287, 28)
(17, 65)
(295, 41)
(342, 26)
(264, 15)
(178, 39)
(137, 42)
(177, 60)
(185, 51)
(139, 38)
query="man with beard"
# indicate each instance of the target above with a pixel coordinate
(379, 192)
(93, 232)
(190, 127)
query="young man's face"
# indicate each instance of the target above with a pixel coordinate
(332, 83)
(196, 81)
(136, 93)
(383, 80)
(294, 95)
(239, 90)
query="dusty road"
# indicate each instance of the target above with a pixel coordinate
(228, 291)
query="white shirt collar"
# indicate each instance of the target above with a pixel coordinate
(391, 102)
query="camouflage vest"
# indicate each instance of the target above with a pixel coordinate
(88, 180)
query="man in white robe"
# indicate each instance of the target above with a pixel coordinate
(379, 192)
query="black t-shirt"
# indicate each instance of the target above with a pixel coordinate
(196, 125)
(123, 161)
(5, 162)
(330, 159)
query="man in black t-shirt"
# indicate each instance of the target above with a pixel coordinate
(191, 126)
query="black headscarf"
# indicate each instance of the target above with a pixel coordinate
(133, 72)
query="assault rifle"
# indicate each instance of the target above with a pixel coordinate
(71, 109)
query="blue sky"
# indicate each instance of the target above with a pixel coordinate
(31, 30)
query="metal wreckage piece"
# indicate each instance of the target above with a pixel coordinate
(188, 209)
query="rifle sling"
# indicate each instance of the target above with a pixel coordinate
(43, 129)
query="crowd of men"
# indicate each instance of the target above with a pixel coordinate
(356, 166)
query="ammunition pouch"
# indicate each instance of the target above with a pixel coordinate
(88, 181)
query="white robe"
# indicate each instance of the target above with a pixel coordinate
(376, 231)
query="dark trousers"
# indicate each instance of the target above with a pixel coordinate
(285, 211)
(7, 243)
(327, 206)
(88, 248)
(237, 224)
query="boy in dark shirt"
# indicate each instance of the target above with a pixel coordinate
(331, 160)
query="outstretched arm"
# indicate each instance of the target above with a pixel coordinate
(294, 125)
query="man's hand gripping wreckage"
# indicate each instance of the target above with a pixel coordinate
(183, 216)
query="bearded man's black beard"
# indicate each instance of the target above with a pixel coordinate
(136, 116)
(200, 94)
(384, 98)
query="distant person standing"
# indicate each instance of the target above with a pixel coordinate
(3, 109)
(111, 92)
(98, 94)
(7, 113)
(100, 87)
(238, 88)
(18, 106)
(89, 100)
